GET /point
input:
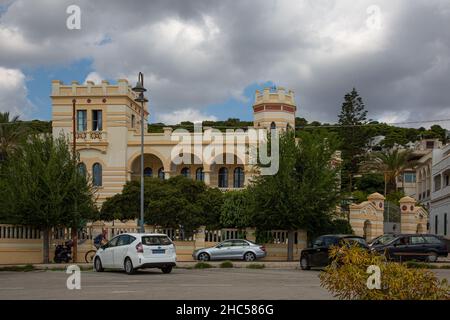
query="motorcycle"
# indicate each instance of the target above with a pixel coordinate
(63, 252)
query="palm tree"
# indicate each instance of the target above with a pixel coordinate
(390, 163)
(11, 134)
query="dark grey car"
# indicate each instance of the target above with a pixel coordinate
(230, 250)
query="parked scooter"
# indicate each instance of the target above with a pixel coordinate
(63, 252)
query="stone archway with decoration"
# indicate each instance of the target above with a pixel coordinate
(367, 218)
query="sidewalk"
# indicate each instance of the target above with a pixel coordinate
(180, 264)
(190, 264)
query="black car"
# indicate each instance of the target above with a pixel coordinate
(413, 246)
(318, 255)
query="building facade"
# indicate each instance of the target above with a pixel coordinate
(107, 122)
(440, 192)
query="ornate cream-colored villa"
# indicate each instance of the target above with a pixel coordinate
(108, 136)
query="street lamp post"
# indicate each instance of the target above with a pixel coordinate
(139, 88)
(74, 138)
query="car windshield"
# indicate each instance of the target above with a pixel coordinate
(384, 239)
(156, 240)
(355, 240)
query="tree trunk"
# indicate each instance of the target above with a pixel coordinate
(46, 245)
(291, 245)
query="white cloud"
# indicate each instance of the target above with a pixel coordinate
(13, 93)
(94, 77)
(178, 116)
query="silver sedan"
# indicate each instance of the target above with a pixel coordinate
(231, 249)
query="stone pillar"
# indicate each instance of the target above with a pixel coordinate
(302, 239)
(407, 216)
(250, 234)
(207, 177)
(167, 174)
(149, 228)
(377, 224)
(200, 237)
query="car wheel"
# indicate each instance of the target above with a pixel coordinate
(304, 263)
(249, 256)
(98, 265)
(167, 269)
(432, 257)
(203, 256)
(128, 266)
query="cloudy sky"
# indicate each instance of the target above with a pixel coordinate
(204, 59)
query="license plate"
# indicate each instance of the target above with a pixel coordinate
(158, 251)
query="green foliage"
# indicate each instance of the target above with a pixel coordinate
(203, 265)
(236, 210)
(174, 203)
(304, 192)
(352, 134)
(346, 278)
(226, 264)
(25, 268)
(390, 163)
(337, 226)
(12, 135)
(42, 187)
(370, 183)
(256, 266)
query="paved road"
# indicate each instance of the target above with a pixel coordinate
(180, 284)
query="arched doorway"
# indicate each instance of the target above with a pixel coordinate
(419, 228)
(367, 230)
(151, 164)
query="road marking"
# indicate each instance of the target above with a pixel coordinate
(204, 285)
(104, 286)
(18, 288)
(124, 291)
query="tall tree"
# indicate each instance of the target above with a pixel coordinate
(41, 184)
(353, 115)
(303, 193)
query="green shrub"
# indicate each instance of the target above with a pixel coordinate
(346, 278)
(226, 264)
(420, 265)
(256, 266)
(25, 268)
(202, 265)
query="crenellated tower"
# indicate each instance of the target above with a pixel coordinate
(274, 109)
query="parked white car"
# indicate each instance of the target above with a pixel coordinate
(132, 251)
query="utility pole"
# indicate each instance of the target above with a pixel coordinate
(74, 141)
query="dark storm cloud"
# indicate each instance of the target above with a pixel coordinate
(197, 53)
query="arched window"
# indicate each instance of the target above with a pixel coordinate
(223, 178)
(161, 173)
(148, 172)
(82, 169)
(199, 175)
(238, 179)
(273, 125)
(97, 174)
(185, 172)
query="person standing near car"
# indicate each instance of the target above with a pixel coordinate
(101, 239)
